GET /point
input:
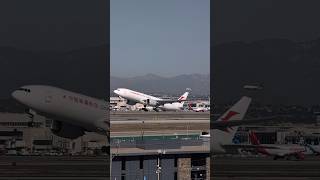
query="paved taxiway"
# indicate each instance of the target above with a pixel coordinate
(54, 167)
(225, 168)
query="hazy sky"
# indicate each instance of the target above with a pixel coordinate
(164, 37)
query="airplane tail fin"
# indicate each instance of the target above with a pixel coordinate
(231, 131)
(184, 96)
(237, 111)
(253, 138)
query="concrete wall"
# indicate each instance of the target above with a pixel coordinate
(184, 168)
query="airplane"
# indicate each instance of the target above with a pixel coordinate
(223, 137)
(199, 109)
(315, 149)
(251, 87)
(134, 97)
(175, 106)
(73, 114)
(278, 150)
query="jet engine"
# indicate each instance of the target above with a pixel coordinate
(151, 102)
(66, 130)
(131, 102)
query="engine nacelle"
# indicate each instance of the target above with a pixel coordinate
(66, 130)
(151, 102)
(131, 102)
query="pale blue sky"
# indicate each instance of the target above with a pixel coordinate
(164, 37)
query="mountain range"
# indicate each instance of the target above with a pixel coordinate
(288, 70)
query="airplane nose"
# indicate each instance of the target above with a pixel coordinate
(116, 91)
(14, 94)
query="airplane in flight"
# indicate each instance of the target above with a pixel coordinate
(72, 113)
(175, 106)
(252, 87)
(222, 137)
(134, 97)
(279, 150)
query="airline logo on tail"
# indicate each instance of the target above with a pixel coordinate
(255, 141)
(229, 115)
(253, 138)
(183, 97)
(236, 112)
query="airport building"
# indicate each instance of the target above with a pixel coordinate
(278, 135)
(166, 166)
(118, 102)
(166, 158)
(17, 137)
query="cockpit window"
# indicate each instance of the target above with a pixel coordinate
(24, 89)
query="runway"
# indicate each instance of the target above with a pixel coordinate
(227, 168)
(167, 117)
(53, 167)
(159, 121)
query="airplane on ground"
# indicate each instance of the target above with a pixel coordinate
(134, 97)
(175, 106)
(199, 109)
(226, 136)
(73, 114)
(314, 148)
(278, 150)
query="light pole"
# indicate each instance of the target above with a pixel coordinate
(158, 170)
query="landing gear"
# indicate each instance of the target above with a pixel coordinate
(31, 115)
(145, 108)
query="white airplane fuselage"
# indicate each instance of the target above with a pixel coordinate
(134, 95)
(177, 106)
(283, 150)
(66, 106)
